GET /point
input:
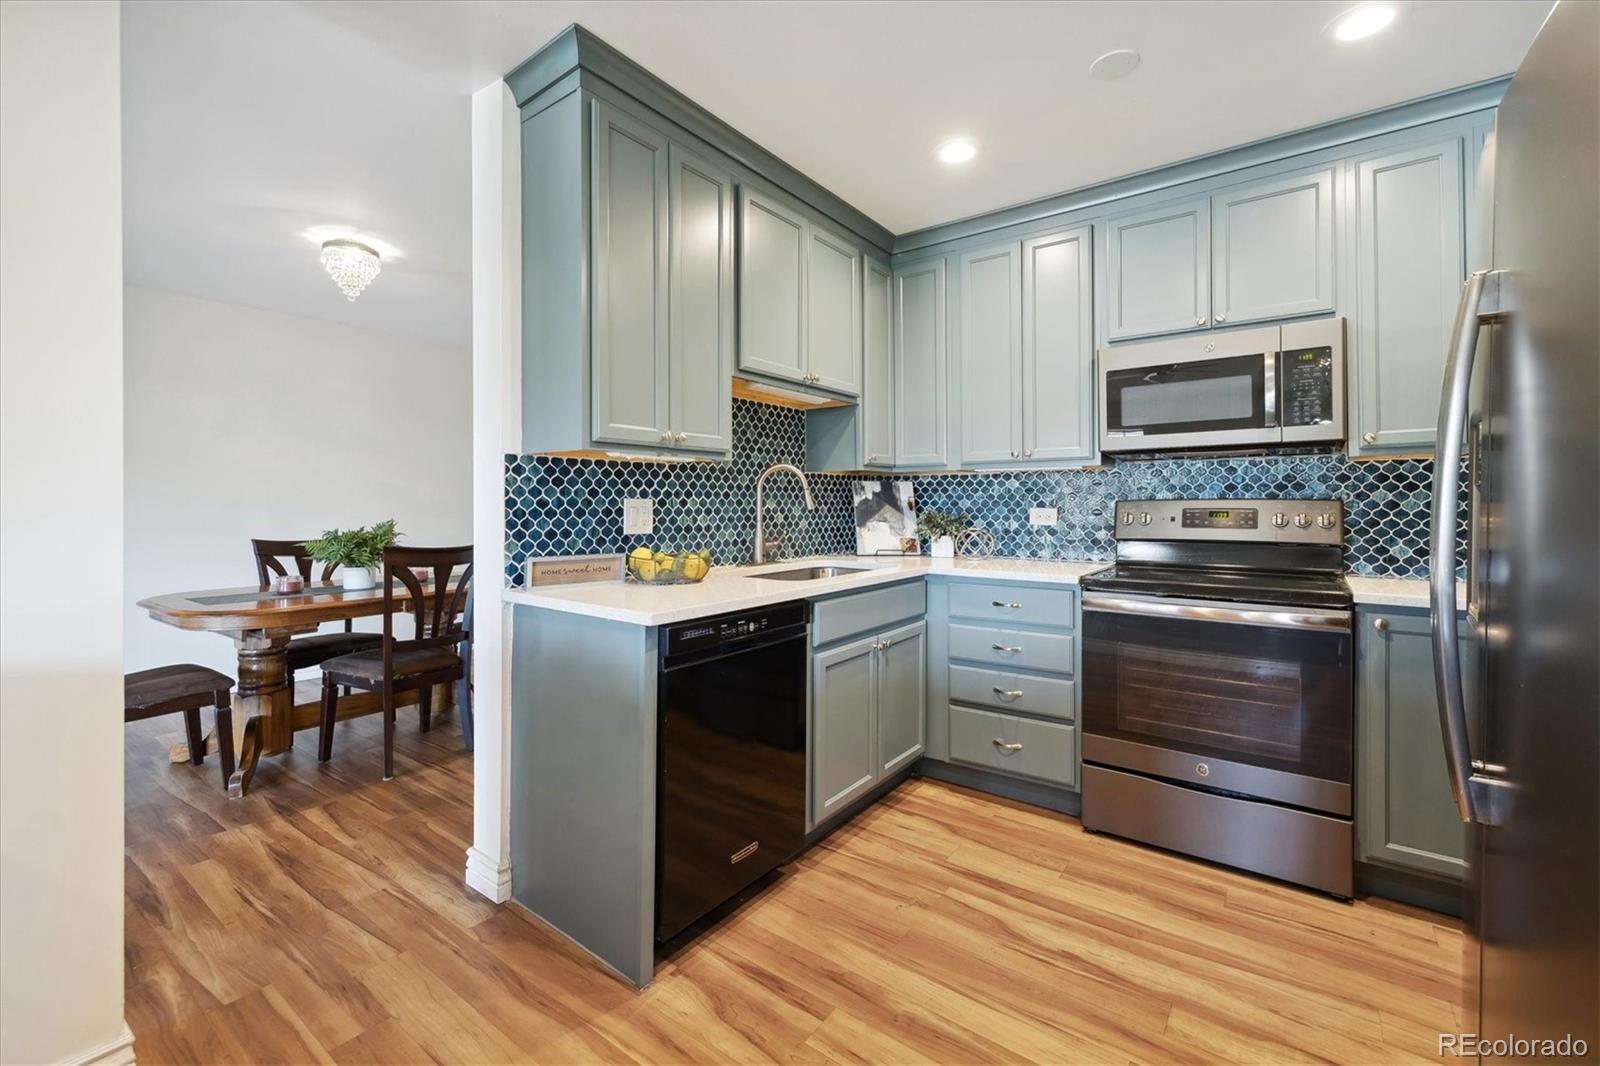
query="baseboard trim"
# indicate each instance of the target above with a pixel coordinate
(118, 1052)
(1035, 793)
(488, 876)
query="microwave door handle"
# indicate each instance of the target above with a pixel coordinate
(1269, 390)
(1481, 298)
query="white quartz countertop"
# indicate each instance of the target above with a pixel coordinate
(741, 588)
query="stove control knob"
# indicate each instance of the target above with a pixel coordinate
(1325, 520)
(1302, 521)
(1144, 518)
(1127, 518)
(1280, 519)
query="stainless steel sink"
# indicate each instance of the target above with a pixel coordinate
(811, 573)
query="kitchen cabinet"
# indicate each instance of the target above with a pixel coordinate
(920, 385)
(1272, 245)
(876, 409)
(991, 354)
(1408, 270)
(869, 677)
(799, 297)
(1058, 389)
(638, 353)
(1158, 270)
(1405, 814)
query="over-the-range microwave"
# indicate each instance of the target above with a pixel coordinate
(1271, 385)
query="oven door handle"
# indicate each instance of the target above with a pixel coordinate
(1243, 614)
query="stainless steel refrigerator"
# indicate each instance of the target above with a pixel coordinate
(1527, 418)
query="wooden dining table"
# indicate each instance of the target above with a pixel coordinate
(261, 624)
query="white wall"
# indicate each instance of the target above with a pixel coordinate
(60, 515)
(247, 423)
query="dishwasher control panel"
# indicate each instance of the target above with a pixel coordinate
(704, 633)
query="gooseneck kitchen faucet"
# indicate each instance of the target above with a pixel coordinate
(761, 486)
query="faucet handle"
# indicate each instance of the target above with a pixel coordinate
(772, 548)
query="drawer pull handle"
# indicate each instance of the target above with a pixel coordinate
(1009, 749)
(1009, 649)
(1008, 606)
(1008, 693)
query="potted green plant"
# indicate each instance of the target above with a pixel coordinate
(941, 530)
(356, 552)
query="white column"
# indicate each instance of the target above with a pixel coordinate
(496, 430)
(61, 606)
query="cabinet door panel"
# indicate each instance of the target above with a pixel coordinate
(630, 371)
(991, 354)
(844, 757)
(772, 277)
(1407, 815)
(1158, 266)
(877, 374)
(1409, 270)
(1272, 249)
(902, 697)
(833, 312)
(919, 365)
(1057, 347)
(701, 302)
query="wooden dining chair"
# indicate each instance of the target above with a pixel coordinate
(186, 688)
(306, 652)
(431, 656)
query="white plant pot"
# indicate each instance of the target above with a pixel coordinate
(356, 577)
(943, 548)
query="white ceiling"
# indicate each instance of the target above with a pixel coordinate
(245, 124)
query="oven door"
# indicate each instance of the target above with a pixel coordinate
(1243, 699)
(1170, 395)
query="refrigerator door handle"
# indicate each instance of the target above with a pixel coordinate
(1481, 299)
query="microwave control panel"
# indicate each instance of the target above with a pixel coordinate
(1307, 383)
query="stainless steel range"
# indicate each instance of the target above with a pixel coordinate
(1217, 670)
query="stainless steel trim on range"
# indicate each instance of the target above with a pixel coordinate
(1309, 849)
(1244, 614)
(1272, 385)
(1299, 790)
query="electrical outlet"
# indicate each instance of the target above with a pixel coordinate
(1041, 516)
(638, 517)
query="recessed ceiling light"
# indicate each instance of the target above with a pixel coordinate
(957, 151)
(1363, 21)
(1114, 64)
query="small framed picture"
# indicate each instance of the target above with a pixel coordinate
(886, 517)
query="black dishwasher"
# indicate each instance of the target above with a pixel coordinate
(731, 757)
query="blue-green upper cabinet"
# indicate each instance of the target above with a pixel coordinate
(630, 391)
(1408, 270)
(991, 354)
(1272, 248)
(876, 409)
(920, 385)
(833, 311)
(701, 302)
(1158, 270)
(772, 287)
(1057, 398)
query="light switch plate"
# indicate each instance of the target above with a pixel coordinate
(638, 517)
(1041, 516)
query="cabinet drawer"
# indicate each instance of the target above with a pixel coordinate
(1053, 697)
(862, 612)
(1042, 750)
(1020, 649)
(1013, 603)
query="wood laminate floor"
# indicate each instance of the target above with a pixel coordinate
(323, 918)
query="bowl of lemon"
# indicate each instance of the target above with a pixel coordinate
(650, 567)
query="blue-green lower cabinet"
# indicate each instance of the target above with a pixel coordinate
(1405, 814)
(869, 675)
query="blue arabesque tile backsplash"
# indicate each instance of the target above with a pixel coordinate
(557, 506)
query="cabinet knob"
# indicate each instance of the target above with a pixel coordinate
(1013, 455)
(1009, 749)
(681, 437)
(1222, 318)
(1370, 438)
(1380, 624)
(1200, 321)
(1027, 453)
(666, 436)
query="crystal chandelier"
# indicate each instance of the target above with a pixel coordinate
(351, 264)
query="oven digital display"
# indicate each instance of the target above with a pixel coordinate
(1233, 518)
